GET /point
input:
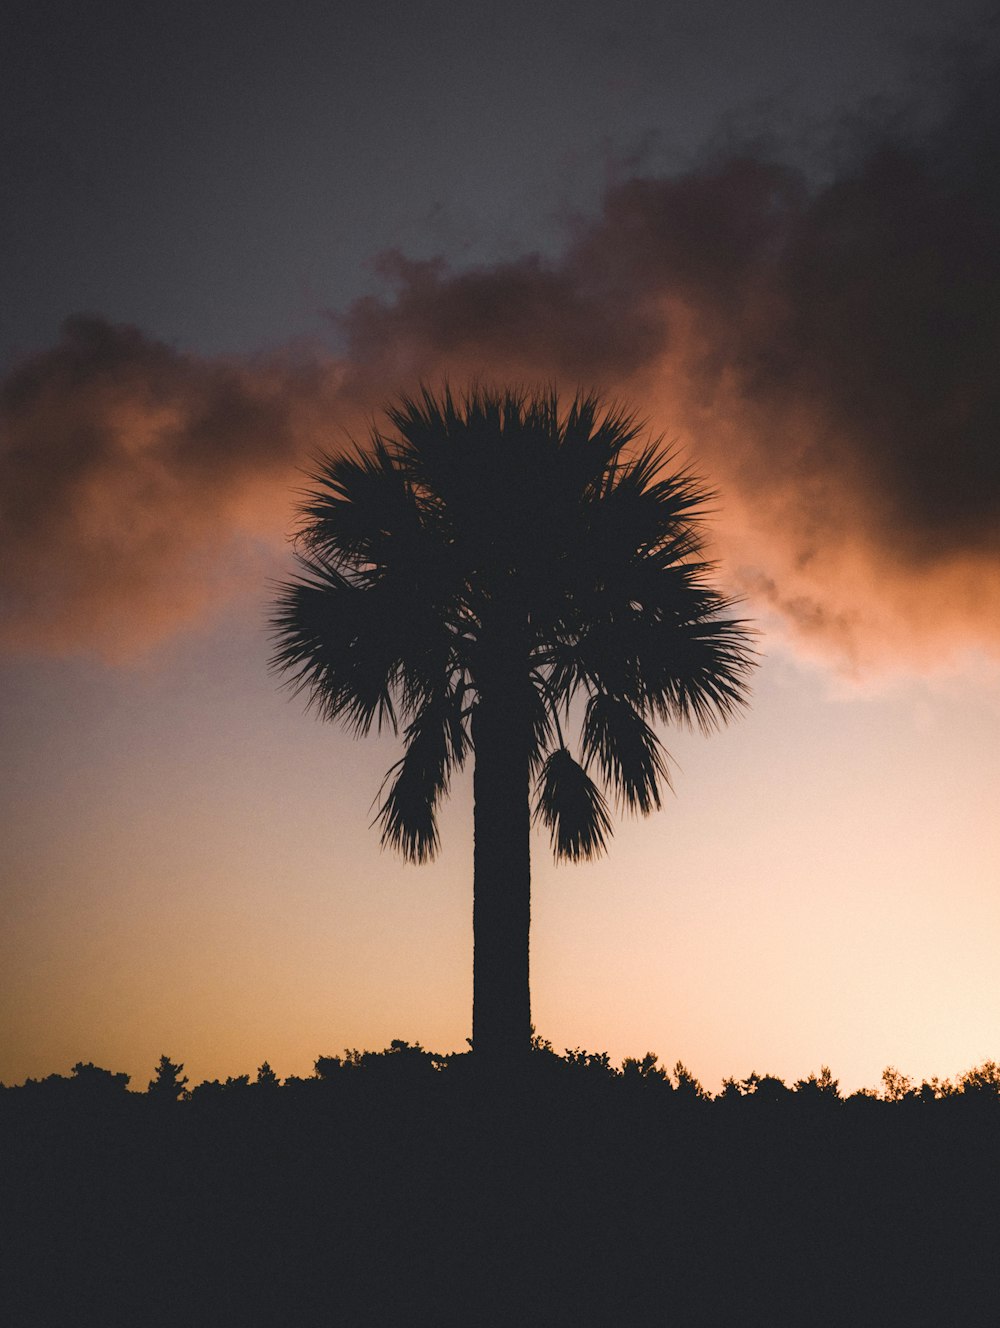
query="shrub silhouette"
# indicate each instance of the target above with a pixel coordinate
(981, 1081)
(647, 1071)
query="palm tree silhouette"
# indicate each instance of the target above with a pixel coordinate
(465, 577)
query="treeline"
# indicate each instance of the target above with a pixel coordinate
(402, 1187)
(410, 1064)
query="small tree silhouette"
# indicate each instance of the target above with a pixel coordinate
(647, 1070)
(822, 1086)
(688, 1088)
(266, 1078)
(167, 1083)
(896, 1086)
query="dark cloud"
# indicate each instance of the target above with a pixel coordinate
(829, 352)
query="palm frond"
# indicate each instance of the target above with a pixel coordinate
(704, 681)
(358, 509)
(693, 663)
(627, 751)
(658, 638)
(436, 744)
(334, 644)
(407, 813)
(541, 713)
(573, 808)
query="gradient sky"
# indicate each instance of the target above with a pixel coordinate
(231, 233)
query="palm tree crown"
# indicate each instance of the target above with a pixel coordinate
(474, 570)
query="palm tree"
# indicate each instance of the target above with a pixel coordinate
(468, 575)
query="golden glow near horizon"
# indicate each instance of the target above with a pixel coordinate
(192, 872)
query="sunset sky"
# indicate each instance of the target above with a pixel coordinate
(229, 235)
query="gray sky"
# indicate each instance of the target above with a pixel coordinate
(221, 174)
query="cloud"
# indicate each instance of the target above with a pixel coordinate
(135, 481)
(826, 351)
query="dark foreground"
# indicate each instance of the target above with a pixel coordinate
(440, 1199)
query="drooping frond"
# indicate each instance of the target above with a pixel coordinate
(407, 813)
(573, 808)
(436, 744)
(627, 751)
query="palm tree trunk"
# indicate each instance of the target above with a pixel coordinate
(501, 916)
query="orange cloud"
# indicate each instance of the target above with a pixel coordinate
(133, 480)
(826, 353)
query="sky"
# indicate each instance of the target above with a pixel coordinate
(229, 236)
